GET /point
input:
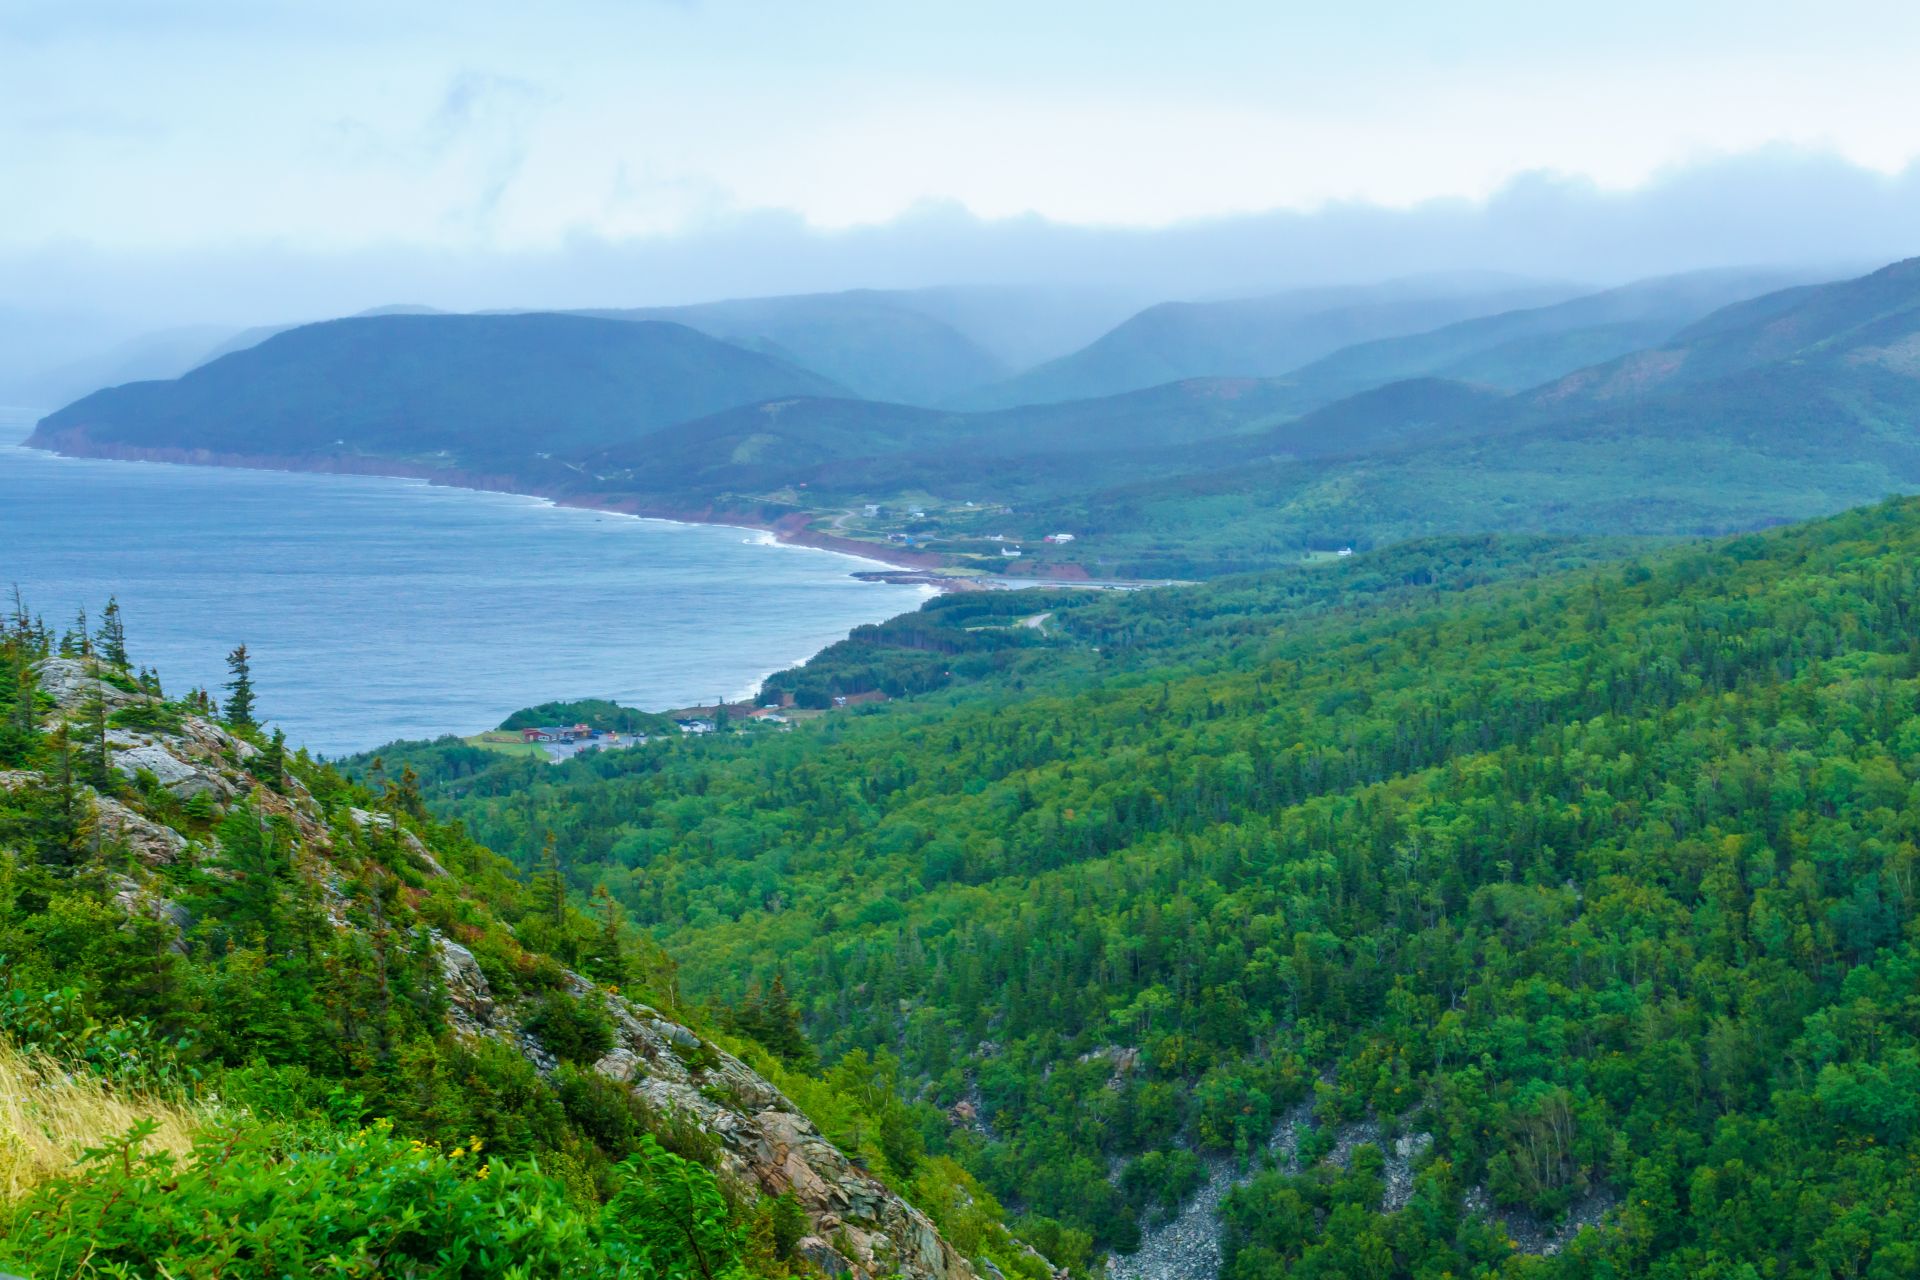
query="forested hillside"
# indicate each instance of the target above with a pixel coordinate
(488, 391)
(259, 1021)
(1425, 921)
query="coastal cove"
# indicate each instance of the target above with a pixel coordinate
(379, 608)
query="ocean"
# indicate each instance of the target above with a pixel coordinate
(378, 609)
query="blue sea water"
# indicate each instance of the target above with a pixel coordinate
(378, 609)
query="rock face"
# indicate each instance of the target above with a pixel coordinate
(175, 774)
(153, 844)
(860, 1228)
(70, 682)
(1188, 1246)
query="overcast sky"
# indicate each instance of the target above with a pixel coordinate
(485, 152)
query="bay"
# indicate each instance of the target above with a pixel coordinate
(378, 609)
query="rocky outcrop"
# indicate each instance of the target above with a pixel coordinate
(153, 844)
(763, 1143)
(71, 683)
(1188, 1246)
(766, 1145)
(173, 773)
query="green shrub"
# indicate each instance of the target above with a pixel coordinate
(572, 1030)
(278, 1201)
(672, 1211)
(151, 717)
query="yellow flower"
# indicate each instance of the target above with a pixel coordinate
(484, 1169)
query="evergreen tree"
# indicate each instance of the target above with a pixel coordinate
(17, 735)
(63, 840)
(248, 900)
(112, 640)
(78, 640)
(612, 961)
(550, 884)
(239, 709)
(271, 765)
(96, 759)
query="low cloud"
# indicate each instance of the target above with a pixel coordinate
(1778, 206)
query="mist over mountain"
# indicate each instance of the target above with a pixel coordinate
(1778, 406)
(1523, 348)
(877, 344)
(1777, 205)
(1259, 337)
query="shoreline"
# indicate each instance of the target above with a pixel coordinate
(893, 565)
(897, 566)
(738, 676)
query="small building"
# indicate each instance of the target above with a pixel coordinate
(1344, 551)
(1009, 552)
(1059, 537)
(536, 735)
(694, 726)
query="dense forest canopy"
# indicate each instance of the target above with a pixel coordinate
(1588, 891)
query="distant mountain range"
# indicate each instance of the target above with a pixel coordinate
(1743, 403)
(1523, 348)
(477, 391)
(1259, 337)
(875, 344)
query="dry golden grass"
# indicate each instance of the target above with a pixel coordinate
(47, 1118)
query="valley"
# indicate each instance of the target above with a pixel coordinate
(1036, 641)
(1478, 841)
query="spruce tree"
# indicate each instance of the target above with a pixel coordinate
(112, 640)
(78, 640)
(550, 884)
(96, 759)
(271, 766)
(612, 961)
(64, 836)
(239, 709)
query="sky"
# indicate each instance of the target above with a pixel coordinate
(216, 159)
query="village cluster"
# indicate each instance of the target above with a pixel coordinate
(563, 742)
